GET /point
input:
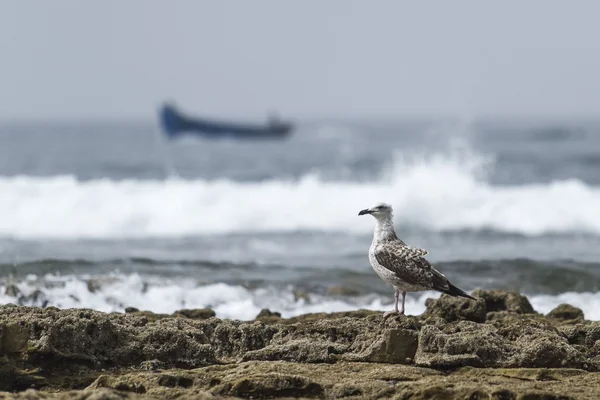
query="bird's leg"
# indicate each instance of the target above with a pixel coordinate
(403, 299)
(395, 311)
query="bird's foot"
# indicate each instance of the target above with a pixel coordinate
(390, 313)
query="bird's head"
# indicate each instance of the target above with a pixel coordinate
(380, 211)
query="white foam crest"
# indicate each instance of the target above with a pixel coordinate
(588, 302)
(155, 294)
(229, 301)
(437, 192)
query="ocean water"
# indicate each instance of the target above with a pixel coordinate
(108, 215)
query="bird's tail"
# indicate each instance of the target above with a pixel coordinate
(456, 291)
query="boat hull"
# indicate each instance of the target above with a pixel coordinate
(175, 124)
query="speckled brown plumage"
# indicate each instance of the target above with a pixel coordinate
(402, 266)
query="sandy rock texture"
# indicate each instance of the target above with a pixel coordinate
(495, 348)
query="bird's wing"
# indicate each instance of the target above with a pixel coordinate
(414, 252)
(410, 266)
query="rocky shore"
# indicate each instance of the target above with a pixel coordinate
(496, 348)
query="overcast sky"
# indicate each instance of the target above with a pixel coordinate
(313, 58)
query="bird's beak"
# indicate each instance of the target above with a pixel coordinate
(365, 211)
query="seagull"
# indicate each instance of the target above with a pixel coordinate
(402, 266)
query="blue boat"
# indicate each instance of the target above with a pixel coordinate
(175, 124)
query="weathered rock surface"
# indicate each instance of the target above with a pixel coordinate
(497, 347)
(341, 380)
(456, 309)
(566, 312)
(204, 313)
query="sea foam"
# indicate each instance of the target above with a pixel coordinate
(438, 192)
(115, 292)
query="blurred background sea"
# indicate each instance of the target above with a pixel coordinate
(112, 215)
(479, 122)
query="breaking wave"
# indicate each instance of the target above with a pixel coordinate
(443, 192)
(114, 293)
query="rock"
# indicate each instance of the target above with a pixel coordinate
(13, 378)
(199, 314)
(266, 313)
(12, 290)
(99, 394)
(36, 298)
(271, 385)
(581, 334)
(74, 298)
(14, 338)
(314, 317)
(152, 365)
(540, 344)
(508, 301)
(359, 380)
(523, 343)
(462, 344)
(203, 313)
(566, 312)
(452, 308)
(95, 284)
(105, 394)
(172, 381)
(346, 338)
(121, 383)
(268, 317)
(301, 295)
(396, 346)
(548, 352)
(7, 374)
(298, 350)
(356, 354)
(79, 337)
